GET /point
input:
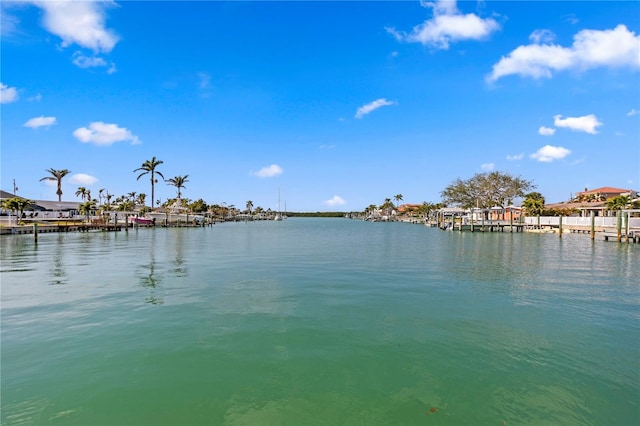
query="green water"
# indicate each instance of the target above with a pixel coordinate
(319, 322)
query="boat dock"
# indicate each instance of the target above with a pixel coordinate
(64, 227)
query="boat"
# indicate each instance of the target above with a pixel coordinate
(278, 215)
(143, 221)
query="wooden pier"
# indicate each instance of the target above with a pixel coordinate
(489, 227)
(69, 227)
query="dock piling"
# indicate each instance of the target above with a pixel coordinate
(560, 226)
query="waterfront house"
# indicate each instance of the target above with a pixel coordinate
(43, 208)
(603, 194)
(505, 213)
(593, 200)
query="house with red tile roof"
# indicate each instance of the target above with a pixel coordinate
(603, 194)
(593, 200)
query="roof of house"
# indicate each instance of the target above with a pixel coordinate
(403, 207)
(4, 195)
(606, 190)
(44, 204)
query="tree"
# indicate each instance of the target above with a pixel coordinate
(178, 182)
(533, 204)
(426, 208)
(16, 204)
(141, 199)
(618, 203)
(108, 198)
(198, 206)
(486, 190)
(249, 206)
(149, 167)
(57, 175)
(397, 198)
(86, 207)
(100, 191)
(81, 192)
(387, 206)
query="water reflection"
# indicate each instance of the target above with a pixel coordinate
(180, 269)
(150, 278)
(58, 274)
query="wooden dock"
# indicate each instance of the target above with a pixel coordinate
(69, 227)
(494, 226)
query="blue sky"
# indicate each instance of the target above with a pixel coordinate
(336, 105)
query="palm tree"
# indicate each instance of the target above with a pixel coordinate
(131, 196)
(618, 203)
(17, 204)
(141, 199)
(100, 191)
(86, 207)
(387, 206)
(108, 198)
(178, 182)
(249, 206)
(533, 203)
(149, 167)
(397, 198)
(81, 192)
(57, 176)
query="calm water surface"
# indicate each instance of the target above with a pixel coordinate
(319, 322)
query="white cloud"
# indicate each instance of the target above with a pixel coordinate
(82, 179)
(83, 61)
(335, 201)
(619, 133)
(8, 94)
(633, 112)
(36, 98)
(613, 48)
(487, 166)
(549, 153)
(327, 146)
(8, 23)
(546, 131)
(41, 121)
(515, 157)
(542, 36)
(79, 22)
(586, 123)
(100, 133)
(372, 106)
(269, 171)
(447, 25)
(571, 18)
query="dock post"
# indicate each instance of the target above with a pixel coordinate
(472, 222)
(593, 225)
(511, 222)
(482, 228)
(560, 226)
(619, 226)
(538, 220)
(626, 225)
(35, 233)
(126, 222)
